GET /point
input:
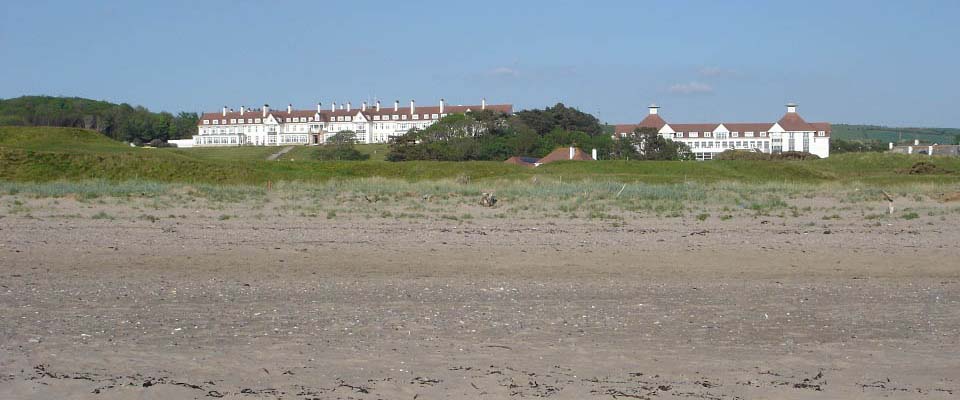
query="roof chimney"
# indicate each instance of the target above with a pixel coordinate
(266, 110)
(364, 106)
(791, 107)
(348, 106)
(333, 107)
(378, 105)
(289, 108)
(413, 107)
(441, 106)
(224, 112)
(318, 107)
(396, 105)
(654, 109)
(242, 109)
(483, 103)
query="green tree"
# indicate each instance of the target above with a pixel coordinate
(340, 147)
(651, 145)
(563, 117)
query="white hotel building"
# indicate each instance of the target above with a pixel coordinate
(790, 133)
(371, 123)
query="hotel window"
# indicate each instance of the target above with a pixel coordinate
(223, 121)
(257, 120)
(694, 134)
(763, 134)
(734, 134)
(233, 120)
(216, 122)
(376, 117)
(434, 116)
(206, 122)
(403, 117)
(748, 134)
(349, 118)
(416, 116)
(706, 134)
(821, 133)
(395, 117)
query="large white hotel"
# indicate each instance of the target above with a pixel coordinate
(790, 133)
(371, 123)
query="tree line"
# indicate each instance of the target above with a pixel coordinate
(490, 135)
(134, 124)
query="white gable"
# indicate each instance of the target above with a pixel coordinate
(776, 128)
(666, 129)
(359, 118)
(720, 128)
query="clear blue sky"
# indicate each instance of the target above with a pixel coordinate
(885, 62)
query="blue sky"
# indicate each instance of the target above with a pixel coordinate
(883, 62)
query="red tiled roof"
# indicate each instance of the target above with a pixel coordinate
(282, 115)
(524, 161)
(709, 127)
(625, 128)
(653, 121)
(371, 111)
(748, 126)
(563, 153)
(792, 121)
(822, 126)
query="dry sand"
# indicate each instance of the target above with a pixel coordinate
(383, 308)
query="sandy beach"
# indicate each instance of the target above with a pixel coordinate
(196, 305)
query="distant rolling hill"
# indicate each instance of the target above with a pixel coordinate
(887, 134)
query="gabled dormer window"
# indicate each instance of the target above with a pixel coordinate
(206, 122)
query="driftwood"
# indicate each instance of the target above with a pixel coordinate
(889, 201)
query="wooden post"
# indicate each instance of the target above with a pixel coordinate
(889, 201)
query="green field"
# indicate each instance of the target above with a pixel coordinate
(42, 154)
(247, 153)
(377, 152)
